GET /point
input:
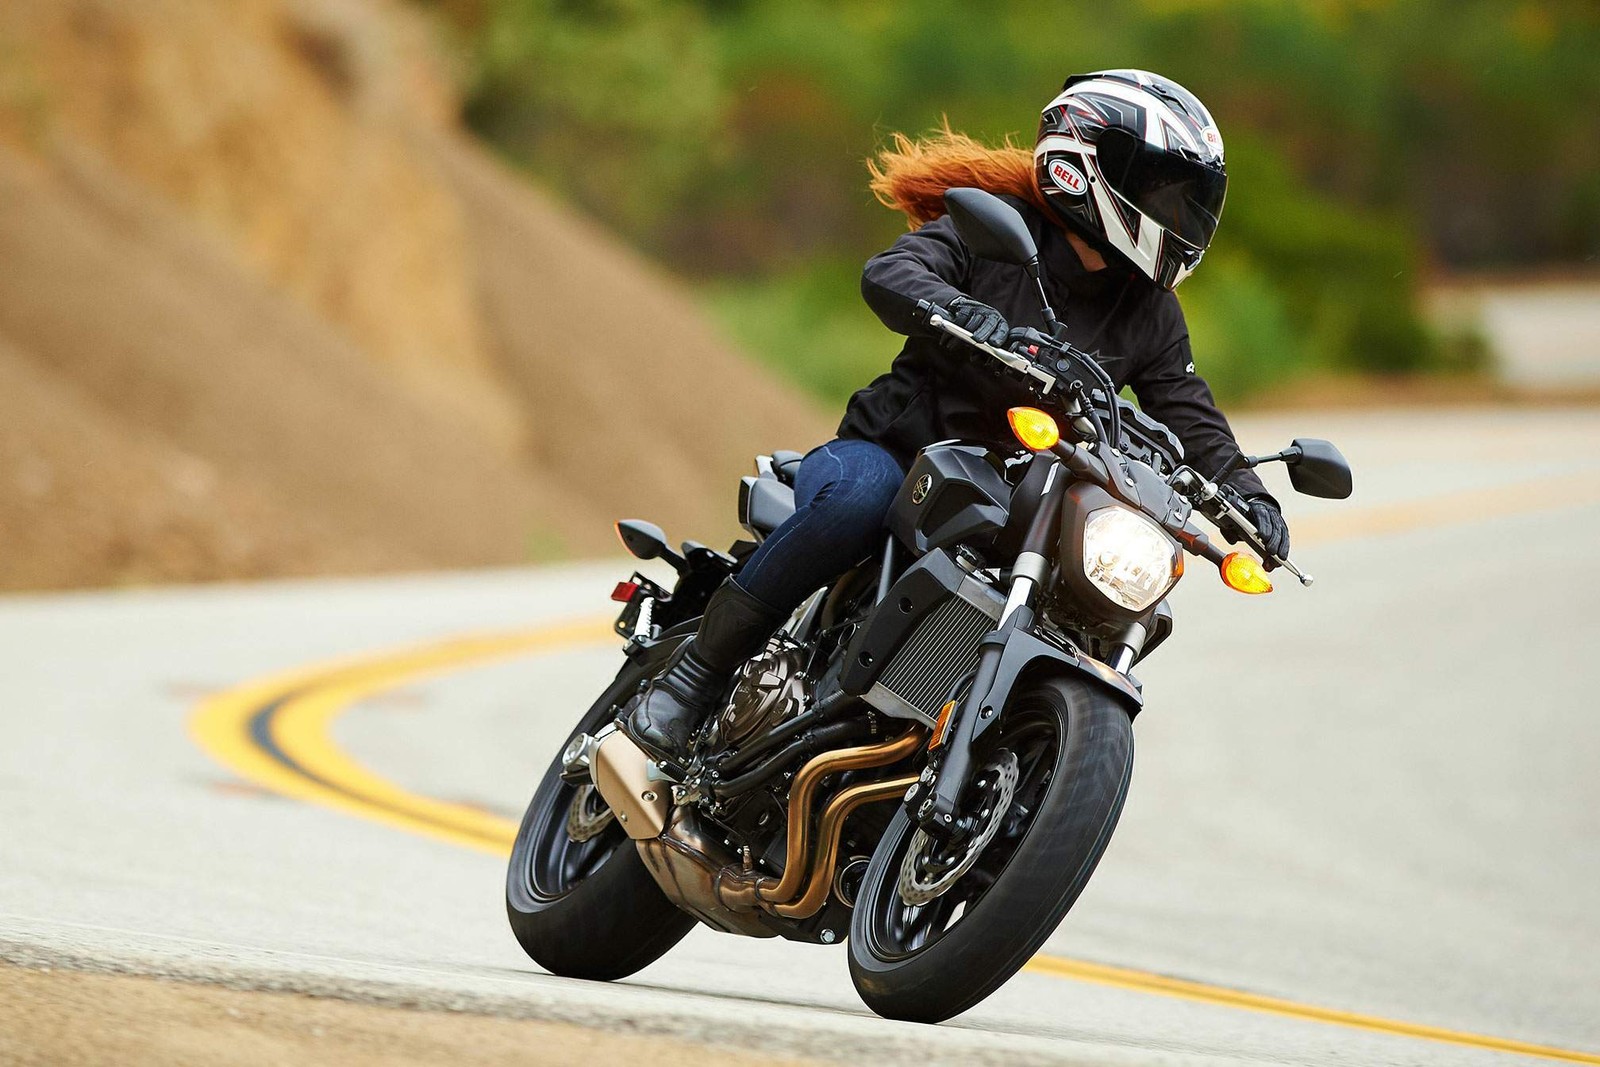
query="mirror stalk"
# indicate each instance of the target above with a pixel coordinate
(1316, 468)
(1051, 323)
(1289, 455)
(1239, 462)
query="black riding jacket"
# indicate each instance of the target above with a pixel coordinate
(932, 393)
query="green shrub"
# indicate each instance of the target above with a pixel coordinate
(1367, 139)
(1243, 337)
(811, 326)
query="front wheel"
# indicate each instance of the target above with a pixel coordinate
(938, 928)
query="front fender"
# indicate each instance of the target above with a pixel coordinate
(1025, 651)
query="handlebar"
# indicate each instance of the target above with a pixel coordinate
(1203, 490)
(1045, 376)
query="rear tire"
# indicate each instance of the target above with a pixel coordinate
(928, 963)
(586, 909)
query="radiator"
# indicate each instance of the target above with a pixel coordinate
(941, 651)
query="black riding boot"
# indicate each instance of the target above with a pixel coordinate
(735, 627)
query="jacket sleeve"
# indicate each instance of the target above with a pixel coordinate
(930, 263)
(1169, 390)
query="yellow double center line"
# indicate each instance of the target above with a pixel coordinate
(276, 732)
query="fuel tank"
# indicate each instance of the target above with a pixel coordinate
(954, 494)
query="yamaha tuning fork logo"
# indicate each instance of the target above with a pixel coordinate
(1067, 176)
(919, 492)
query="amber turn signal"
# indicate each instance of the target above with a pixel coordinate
(941, 724)
(1244, 574)
(1034, 428)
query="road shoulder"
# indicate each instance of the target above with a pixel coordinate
(59, 1017)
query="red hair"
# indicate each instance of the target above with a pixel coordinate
(911, 176)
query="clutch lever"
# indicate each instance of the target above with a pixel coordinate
(1037, 375)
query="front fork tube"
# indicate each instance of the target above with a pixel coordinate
(1128, 646)
(937, 811)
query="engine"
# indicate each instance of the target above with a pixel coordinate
(771, 689)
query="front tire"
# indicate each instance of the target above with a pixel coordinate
(586, 909)
(928, 962)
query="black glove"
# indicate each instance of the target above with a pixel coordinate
(987, 326)
(1274, 531)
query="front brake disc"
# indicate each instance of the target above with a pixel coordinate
(923, 875)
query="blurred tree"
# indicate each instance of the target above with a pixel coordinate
(1368, 140)
(617, 103)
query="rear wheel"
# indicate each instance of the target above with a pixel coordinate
(938, 928)
(580, 900)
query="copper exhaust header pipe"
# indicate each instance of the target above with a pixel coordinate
(829, 831)
(802, 797)
(738, 888)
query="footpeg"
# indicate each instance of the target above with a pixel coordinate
(577, 758)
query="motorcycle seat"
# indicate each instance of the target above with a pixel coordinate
(764, 502)
(786, 465)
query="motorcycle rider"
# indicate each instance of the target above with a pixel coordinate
(1122, 192)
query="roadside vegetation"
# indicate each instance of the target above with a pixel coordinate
(1371, 143)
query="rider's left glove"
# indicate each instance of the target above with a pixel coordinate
(987, 326)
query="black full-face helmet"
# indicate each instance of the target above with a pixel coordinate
(1133, 162)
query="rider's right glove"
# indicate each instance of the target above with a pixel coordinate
(987, 326)
(1268, 517)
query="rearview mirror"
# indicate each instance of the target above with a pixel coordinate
(992, 228)
(644, 540)
(1319, 470)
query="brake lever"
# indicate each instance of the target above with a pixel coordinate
(1305, 579)
(1212, 492)
(1253, 535)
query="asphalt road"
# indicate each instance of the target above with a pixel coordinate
(1357, 810)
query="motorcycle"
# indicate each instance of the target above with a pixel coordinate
(929, 758)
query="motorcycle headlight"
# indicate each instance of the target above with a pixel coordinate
(1129, 558)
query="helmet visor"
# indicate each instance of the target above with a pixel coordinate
(1177, 191)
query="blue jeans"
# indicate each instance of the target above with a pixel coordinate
(842, 494)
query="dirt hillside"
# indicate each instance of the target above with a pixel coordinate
(264, 310)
